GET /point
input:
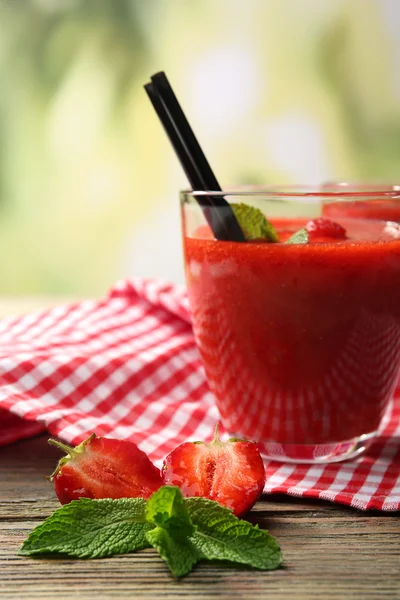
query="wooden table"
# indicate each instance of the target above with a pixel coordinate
(330, 552)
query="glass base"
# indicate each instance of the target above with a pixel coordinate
(316, 453)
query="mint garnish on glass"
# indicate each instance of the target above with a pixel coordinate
(256, 226)
(300, 237)
(183, 531)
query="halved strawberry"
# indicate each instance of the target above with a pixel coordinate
(231, 473)
(325, 230)
(104, 468)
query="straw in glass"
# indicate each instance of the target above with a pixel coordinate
(195, 164)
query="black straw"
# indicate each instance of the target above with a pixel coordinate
(198, 171)
(190, 169)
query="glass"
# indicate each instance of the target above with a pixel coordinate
(300, 342)
(386, 204)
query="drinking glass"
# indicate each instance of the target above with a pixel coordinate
(300, 341)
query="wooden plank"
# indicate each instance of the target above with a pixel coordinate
(330, 552)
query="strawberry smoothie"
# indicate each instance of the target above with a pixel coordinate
(300, 342)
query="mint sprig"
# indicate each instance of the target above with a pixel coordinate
(183, 531)
(254, 224)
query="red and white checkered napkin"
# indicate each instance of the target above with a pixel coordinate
(127, 367)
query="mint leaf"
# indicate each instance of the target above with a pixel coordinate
(222, 536)
(253, 223)
(300, 237)
(88, 528)
(177, 551)
(166, 508)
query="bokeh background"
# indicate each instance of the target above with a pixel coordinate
(278, 91)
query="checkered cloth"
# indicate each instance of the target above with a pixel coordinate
(127, 367)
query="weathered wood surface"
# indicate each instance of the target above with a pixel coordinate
(330, 552)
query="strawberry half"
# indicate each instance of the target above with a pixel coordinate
(104, 468)
(230, 473)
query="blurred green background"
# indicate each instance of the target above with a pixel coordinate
(278, 91)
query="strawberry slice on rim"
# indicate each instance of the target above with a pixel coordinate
(102, 467)
(231, 473)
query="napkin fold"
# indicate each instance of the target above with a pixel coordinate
(126, 366)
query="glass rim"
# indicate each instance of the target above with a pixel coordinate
(308, 193)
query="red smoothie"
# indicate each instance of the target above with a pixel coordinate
(300, 342)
